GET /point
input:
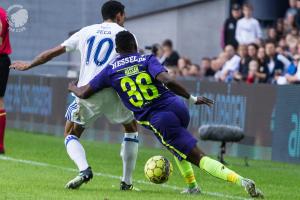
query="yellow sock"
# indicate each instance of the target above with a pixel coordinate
(218, 170)
(187, 172)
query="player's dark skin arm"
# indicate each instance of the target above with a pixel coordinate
(83, 92)
(40, 59)
(179, 90)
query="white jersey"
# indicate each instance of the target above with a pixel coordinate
(96, 44)
(247, 31)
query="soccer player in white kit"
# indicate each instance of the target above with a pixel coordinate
(96, 44)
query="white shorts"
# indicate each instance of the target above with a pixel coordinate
(105, 102)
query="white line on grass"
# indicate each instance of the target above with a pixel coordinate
(34, 163)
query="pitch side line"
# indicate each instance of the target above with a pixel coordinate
(34, 163)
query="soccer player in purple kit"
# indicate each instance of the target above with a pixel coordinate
(145, 88)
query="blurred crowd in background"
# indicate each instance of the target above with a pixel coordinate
(251, 54)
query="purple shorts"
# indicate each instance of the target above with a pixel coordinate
(169, 125)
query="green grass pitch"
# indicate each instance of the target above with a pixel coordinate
(37, 167)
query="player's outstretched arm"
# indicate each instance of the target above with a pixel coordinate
(99, 82)
(176, 87)
(40, 59)
(82, 92)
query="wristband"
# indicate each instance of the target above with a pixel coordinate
(193, 99)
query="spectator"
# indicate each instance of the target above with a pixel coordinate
(293, 76)
(206, 67)
(222, 58)
(231, 65)
(248, 28)
(292, 10)
(290, 15)
(170, 56)
(297, 17)
(183, 62)
(275, 62)
(291, 41)
(157, 50)
(252, 74)
(194, 70)
(280, 27)
(242, 72)
(261, 55)
(173, 72)
(282, 44)
(272, 35)
(289, 23)
(252, 50)
(230, 26)
(262, 72)
(185, 72)
(215, 67)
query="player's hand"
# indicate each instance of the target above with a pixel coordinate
(19, 65)
(72, 86)
(203, 100)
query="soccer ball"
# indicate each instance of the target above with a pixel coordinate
(158, 169)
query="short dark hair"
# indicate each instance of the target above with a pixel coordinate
(125, 41)
(110, 9)
(206, 58)
(236, 7)
(254, 45)
(168, 43)
(155, 48)
(196, 65)
(270, 42)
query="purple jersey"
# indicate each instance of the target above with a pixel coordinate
(133, 76)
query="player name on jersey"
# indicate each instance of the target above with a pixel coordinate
(126, 60)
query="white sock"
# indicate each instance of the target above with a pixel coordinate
(76, 152)
(129, 151)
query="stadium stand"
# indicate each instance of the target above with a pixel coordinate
(273, 57)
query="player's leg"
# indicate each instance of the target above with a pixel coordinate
(184, 166)
(129, 152)
(165, 126)
(198, 158)
(217, 169)
(169, 127)
(76, 152)
(117, 113)
(4, 72)
(186, 147)
(187, 172)
(74, 148)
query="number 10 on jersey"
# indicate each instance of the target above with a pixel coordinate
(105, 50)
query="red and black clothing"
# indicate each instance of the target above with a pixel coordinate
(5, 50)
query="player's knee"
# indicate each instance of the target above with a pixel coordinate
(77, 130)
(73, 129)
(195, 156)
(131, 127)
(68, 128)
